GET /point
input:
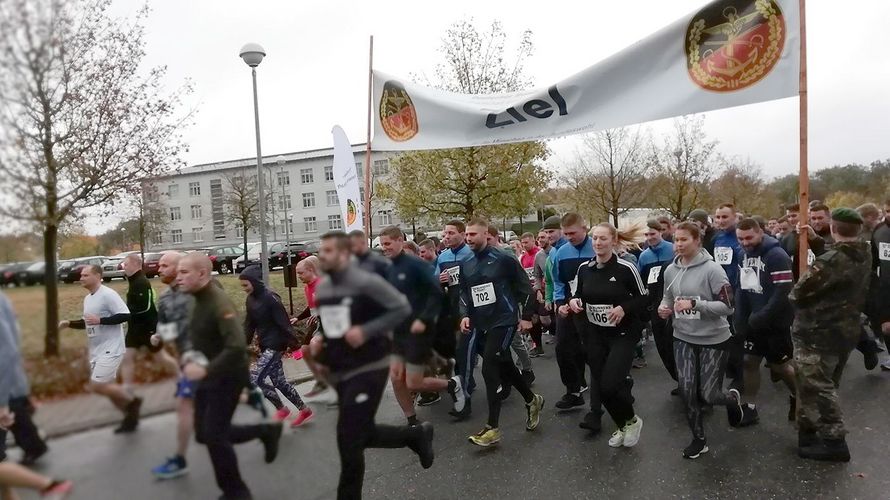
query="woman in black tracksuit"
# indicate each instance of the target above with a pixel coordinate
(612, 298)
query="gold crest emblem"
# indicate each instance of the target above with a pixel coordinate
(733, 44)
(397, 114)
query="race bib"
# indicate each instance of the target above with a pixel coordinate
(530, 271)
(654, 273)
(335, 320)
(723, 255)
(453, 275)
(690, 314)
(749, 280)
(573, 286)
(483, 295)
(598, 314)
(884, 251)
(811, 257)
(168, 331)
(91, 331)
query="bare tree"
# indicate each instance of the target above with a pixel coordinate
(81, 122)
(742, 183)
(683, 165)
(241, 202)
(153, 217)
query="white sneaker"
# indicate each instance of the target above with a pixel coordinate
(458, 396)
(632, 432)
(617, 439)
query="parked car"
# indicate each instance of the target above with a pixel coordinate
(223, 258)
(113, 268)
(298, 252)
(9, 275)
(253, 255)
(151, 264)
(69, 271)
(33, 274)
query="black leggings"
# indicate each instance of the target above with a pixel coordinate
(569, 354)
(359, 398)
(663, 332)
(610, 356)
(701, 369)
(498, 369)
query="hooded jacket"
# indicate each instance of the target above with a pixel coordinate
(762, 305)
(705, 282)
(266, 316)
(141, 303)
(494, 290)
(411, 276)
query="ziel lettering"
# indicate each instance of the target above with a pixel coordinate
(534, 108)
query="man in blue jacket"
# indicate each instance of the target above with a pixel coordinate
(763, 313)
(728, 253)
(653, 260)
(569, 352)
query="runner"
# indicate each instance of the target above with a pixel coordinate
(494, 289)
(142, 324)
(428, 251)
(367, 260)
(545, 314)
(612, 298)
(653, 260)
(103, 316)
(412, 339)
(411, 248)
(448, 270)
(359, 310)
(218, 364)
(728, 253)
(699, 296)
(828, 301)
(569, 353)
(308, 272)
(773, 227)
(173, 314)
(708, 232)
(763, 314)
(267, 318)
(880, 289)
(667, 228)
(783, 228)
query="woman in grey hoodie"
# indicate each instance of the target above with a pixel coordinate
(698, 294)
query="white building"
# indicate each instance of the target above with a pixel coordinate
(299, 186)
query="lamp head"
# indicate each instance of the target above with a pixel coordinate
(252, 54)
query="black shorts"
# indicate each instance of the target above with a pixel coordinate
(775, 347)
(412, 349)
(139, 337)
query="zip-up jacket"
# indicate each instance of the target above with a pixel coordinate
(411, 276)
(494, 290)
(565, 267)
(354, 297)
(266, 316)
(450, 260)
(215, 331)
(549, 273)
(728, 253)
(540, 269)
(790, 244)
(880, 256)
(762, 305)
(615, 283)
(141, 303)
(652, 264)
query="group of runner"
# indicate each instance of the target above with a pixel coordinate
(719, 293)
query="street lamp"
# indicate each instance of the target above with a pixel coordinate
(287, 222)
(253, 55)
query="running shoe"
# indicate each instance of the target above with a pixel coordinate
(255, 401)
(303, 416)
(270, 437)
(749, 415)
(486, 437)
(317, 389)
(424, 445)
(534, 412)
(57, 490)
(584, 388)
(632, 432)
(696, 448)
(30, 458)
(734, 411)
(617, 439)
(570, 401)
(885, 365)
(174, 467)
(792, 408)
(457, 395)
(131, 417)
(281, 414)
(592, 422)
(428, 398)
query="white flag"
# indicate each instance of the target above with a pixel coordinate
(729, 53)
(347, 181)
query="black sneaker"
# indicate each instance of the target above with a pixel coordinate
(270, 437)
(807, 439)
(749, 415)
(570, 401)
(428, 398)
(792, 408)
(870, 359)
(584, 388)
(829, 450)
(696, 448)
(29, 459)
(734, 411)
(675, 391)
(424, 445)
(131, 417)
(591, 422)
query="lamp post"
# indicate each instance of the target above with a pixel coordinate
(253, 55)
(287, 223)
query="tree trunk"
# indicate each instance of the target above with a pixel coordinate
(51, 340)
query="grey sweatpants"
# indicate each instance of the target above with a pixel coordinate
(700, 371)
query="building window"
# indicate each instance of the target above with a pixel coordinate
(173, 190)
(308, 200)
(310, 225)
(284, 202)
(333, 200)
(359, 170)
(361, 194)
(175, 213)
(381, 167)
(329, 174)
(194, 189)
(335, 222)
(177, 236)
(284, 178)
(386, 217)
(159, 238)
(197, 234)
(196, 211)
(239, 230)
(287, 225)
(306, 176)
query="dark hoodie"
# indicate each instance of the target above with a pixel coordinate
(266, 316)
(762, 305)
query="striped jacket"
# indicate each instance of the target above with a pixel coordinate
(765, 280)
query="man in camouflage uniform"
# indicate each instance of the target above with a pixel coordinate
(828, 300)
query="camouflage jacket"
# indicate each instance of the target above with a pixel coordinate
(830, 297)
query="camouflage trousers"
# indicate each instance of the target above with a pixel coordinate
(818, 377)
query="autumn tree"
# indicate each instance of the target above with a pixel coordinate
(494, 181)
(81, 121)
(742, 183)
(241, 203)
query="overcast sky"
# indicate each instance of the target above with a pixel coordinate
(315, 74)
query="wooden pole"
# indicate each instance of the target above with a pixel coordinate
(802, 239)
(367, 201)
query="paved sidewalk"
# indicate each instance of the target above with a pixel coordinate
(88, 411)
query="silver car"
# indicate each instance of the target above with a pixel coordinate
(113, 268)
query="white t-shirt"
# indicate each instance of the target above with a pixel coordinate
(105, 340)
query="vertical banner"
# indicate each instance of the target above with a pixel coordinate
(347, 181)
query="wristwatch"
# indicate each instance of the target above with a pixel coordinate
(692, 301)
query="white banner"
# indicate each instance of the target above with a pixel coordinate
(347, 181)
(729, 53)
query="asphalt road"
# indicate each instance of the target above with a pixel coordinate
(558, 461)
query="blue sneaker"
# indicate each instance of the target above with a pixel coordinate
(172, 468)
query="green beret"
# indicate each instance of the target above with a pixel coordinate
(552, 222)
(847, 215)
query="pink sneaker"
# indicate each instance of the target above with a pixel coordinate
(304, 416)
(58, 490)
(297, 355)
(282, 414)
